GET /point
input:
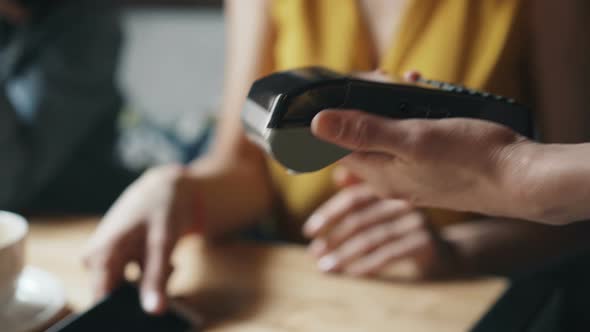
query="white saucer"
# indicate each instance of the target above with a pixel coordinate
(39, 298)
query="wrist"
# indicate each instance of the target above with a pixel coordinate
(519, 180)
(192, 201)
(199, 214)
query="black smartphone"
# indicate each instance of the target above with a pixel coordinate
(121, 311)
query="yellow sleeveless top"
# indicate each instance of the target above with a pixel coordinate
(480, 44)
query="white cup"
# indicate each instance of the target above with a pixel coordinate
(13, 231)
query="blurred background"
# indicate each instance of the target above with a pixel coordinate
(171, 77)
(95, 92)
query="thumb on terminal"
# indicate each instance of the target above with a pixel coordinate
(359, 131)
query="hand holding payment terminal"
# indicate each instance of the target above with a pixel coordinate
(279, 109)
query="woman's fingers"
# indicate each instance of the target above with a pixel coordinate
(409, 246)
(106, 268)
(369, 240)
(337, 207)
(107, 257)
(381, 211)
(378, 75)
(117, 241)
(157, 268)
(143, 226)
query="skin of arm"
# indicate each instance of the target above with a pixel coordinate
(558, 185)
(483, 245)
(234, 172)
(498, 173)
(540, 180)
(224, 190)
(560, 70)
(355, 233)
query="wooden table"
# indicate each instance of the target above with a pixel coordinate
(244, 287)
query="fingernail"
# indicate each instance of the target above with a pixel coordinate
(150, 301)
(318, 247)
(327, 263)
(313, 224)
(412, 76)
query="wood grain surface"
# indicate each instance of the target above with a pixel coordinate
(245, 287)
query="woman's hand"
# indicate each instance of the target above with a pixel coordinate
(359, 234)
(148, 219)
(143, 226)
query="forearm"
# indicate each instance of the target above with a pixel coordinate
(556, 188)
(561, 78)
(232, 177)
